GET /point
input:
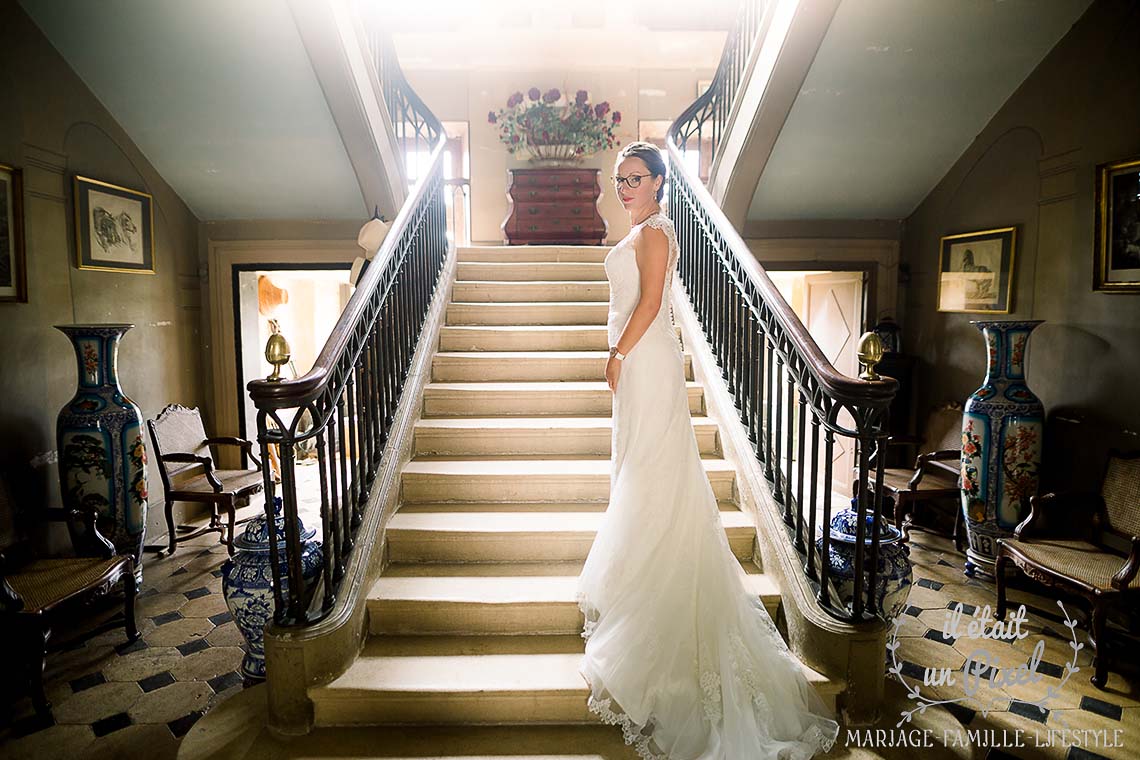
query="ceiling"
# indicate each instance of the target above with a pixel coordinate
(218, 95)
(897, 92)
(555, 34)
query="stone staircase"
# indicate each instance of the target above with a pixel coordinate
(474, 620)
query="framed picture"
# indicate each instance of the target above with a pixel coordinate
(13, 265)
(975, 272)
(114, 227)
(1116, 268)
(702, 85)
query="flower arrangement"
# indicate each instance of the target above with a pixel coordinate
(552, 129)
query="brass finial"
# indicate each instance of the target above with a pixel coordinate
(870, 352)
(277, 351)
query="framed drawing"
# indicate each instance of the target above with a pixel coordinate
(702, 85)
(114, 227)
(1116, 265)
(975, 273)
(13, 265)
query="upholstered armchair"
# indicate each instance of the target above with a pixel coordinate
(34, 589)
(935, 472)
(182, 451)
(1062, 544)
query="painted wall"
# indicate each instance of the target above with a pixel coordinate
(1034, 166)
(454, 96)
(52, 127)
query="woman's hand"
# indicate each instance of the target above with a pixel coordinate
(613, 370)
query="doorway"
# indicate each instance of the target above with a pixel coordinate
(302, 301)
(833, 305)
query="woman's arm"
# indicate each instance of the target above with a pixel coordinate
(651, 248)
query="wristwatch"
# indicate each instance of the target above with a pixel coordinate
(615, 354)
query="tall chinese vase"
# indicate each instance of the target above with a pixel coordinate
(99, 435)
(1002, 428)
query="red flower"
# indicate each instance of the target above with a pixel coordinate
(491, 117)
(514, 100)
(533, 93)
(601, 109)
(617, 117)
(551, 95)
(580, 97)
(514, 138)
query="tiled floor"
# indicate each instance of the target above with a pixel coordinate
(139, 700)
(113, 699)
(1090, 714)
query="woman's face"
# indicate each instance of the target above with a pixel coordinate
(645, 194)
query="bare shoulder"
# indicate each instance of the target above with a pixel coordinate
(651, 240)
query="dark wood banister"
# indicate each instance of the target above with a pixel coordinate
(838, 386)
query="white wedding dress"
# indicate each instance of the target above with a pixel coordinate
(678, 652)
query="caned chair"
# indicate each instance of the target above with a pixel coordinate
(34, 589)
(1062, 544)
(935, 472)
(182, 451)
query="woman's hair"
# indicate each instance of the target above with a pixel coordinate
(651, 155)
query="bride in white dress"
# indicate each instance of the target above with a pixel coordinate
(678, 652)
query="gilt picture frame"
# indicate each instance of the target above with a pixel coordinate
(114, 227)
(13, 260)
(1116, 258)
(975, 272)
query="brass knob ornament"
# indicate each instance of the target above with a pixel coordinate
(277, 353)
(870, 353)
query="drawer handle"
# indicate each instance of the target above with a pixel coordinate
(577, 180)
(532, 210)
(533, 193)
(577, 228)
(577, 193)
(533, 227)
(575, 210)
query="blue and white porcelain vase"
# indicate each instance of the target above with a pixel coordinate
(99, 436)
(894, 574)
(1002, 425)
(247, 581)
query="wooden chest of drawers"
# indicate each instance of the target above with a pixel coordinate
(554, 206)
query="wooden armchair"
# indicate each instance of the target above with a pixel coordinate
(33, 590)
(182, 450)
(1062, 544)
(935, 471)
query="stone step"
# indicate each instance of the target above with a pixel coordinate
(518, 366)
(466, 291)
(531, 435)
(725, 505)
(435, 480)
(549, 313)
(525, 338)
(542, 271)
(485, 399)
(510, 598)
(525, 253)
(469, 680)
(518, 536)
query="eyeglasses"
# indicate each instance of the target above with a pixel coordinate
(632, 180)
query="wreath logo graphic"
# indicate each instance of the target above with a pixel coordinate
(923, 702)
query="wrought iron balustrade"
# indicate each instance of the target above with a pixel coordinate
(708, 114)
(791, 400)
(347, 401)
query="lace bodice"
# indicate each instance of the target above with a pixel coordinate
(625, 280)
